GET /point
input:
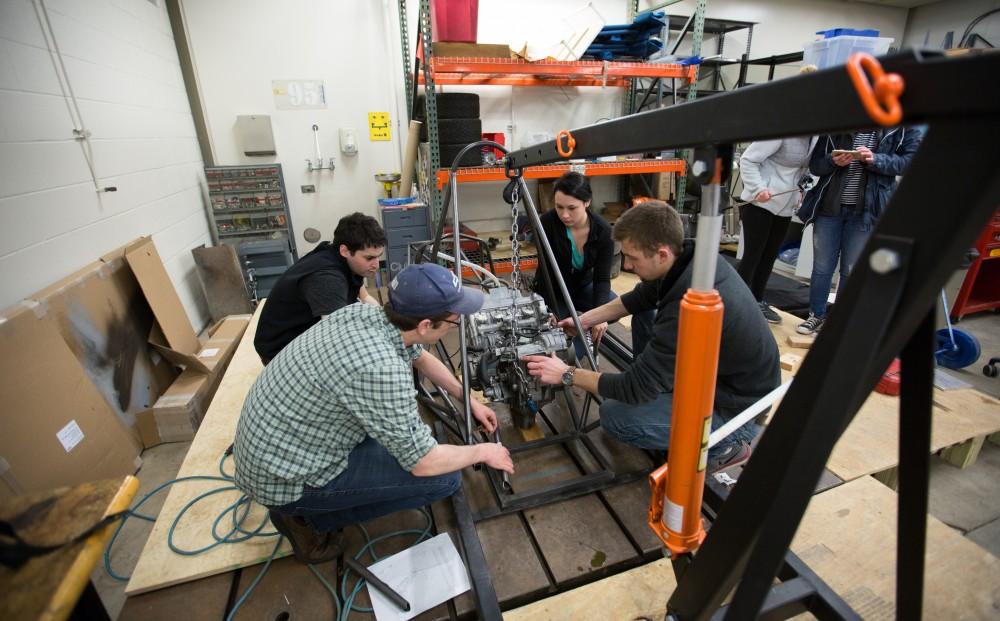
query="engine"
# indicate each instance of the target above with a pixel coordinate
(508, 326)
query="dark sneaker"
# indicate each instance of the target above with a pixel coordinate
(308, 545)
(811, 325)
(768, 312)
(729, 458)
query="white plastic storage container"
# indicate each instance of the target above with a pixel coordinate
(836, 50)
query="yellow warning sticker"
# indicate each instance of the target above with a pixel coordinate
(378, 126)
(705, 433)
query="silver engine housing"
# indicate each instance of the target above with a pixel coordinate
(508, 326)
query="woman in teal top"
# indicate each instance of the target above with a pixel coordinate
(584, 251)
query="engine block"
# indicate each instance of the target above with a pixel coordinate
(508, 326)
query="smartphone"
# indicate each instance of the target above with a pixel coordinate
(855, 154)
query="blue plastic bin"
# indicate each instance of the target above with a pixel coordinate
(839, 32)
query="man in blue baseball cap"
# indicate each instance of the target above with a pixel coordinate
(330, 435)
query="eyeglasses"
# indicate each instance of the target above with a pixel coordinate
(452, 322)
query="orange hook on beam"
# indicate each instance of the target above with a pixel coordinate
(880, 97)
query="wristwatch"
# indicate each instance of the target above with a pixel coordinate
(567, 376)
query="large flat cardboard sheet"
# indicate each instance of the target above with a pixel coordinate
(57, 428)
(158, 565)
(170, 314)
(848, 537)
(871, 442)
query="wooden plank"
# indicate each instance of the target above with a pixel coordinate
(790, 362)
(578, 537)
(640, 593)
(848, 537)
(158, 566)
(871, 442)
(631, 503)
(799, 341)
(965, 454)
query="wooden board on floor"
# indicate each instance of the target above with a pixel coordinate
(871, 442)
(640, 593)
(159, 566)
(848, 537)
(201, 600)
(622, 284)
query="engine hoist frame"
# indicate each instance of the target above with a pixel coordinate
(885, 308)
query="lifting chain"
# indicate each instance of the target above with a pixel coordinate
(515, 245)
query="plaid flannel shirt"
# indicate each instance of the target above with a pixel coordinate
(347, 377)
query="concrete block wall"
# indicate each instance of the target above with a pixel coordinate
(122, 66)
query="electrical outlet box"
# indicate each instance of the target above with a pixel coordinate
(308, 189)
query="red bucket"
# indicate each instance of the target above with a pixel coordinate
(455, 20)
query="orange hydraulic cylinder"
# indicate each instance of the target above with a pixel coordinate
(677, 486)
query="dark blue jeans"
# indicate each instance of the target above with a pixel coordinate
(647, 425)
(840, 237)
(372, 486)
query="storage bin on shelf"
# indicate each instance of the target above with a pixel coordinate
(836, 50)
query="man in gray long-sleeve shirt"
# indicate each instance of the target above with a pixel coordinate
(637, 402)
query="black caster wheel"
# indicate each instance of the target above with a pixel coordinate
(991, 370)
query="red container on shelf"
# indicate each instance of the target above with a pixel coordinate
(455, 20)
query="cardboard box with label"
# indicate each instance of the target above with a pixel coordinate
(177, 413)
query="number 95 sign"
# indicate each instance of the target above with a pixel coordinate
(298, 94)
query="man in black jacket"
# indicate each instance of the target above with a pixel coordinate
(327, 279)
(637, 402)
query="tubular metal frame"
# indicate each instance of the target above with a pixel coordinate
(748, 542)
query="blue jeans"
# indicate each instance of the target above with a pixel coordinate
(840, 237)
(372, 486)
(647, 425)
(582, 302)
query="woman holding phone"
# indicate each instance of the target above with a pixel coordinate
(857, 176)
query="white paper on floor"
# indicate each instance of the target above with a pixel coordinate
(425, 575)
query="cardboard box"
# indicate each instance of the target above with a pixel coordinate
(546, 195)
(471, 50)
(105, 320)
(58, 429)
(663, 186)
(177, 414)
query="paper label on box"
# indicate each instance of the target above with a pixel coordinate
(70, 435)
(209, 353)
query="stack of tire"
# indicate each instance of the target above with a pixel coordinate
(458, 126)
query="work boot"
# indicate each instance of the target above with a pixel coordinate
(308, 545)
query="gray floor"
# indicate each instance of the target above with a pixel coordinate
(967, 500)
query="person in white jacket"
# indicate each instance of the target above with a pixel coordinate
(771, 172)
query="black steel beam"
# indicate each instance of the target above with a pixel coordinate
(824, 101)
(928, 226)
(915, 407)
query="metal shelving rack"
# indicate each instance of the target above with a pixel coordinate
(248, 202)
(492, 71)
(248, 207)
